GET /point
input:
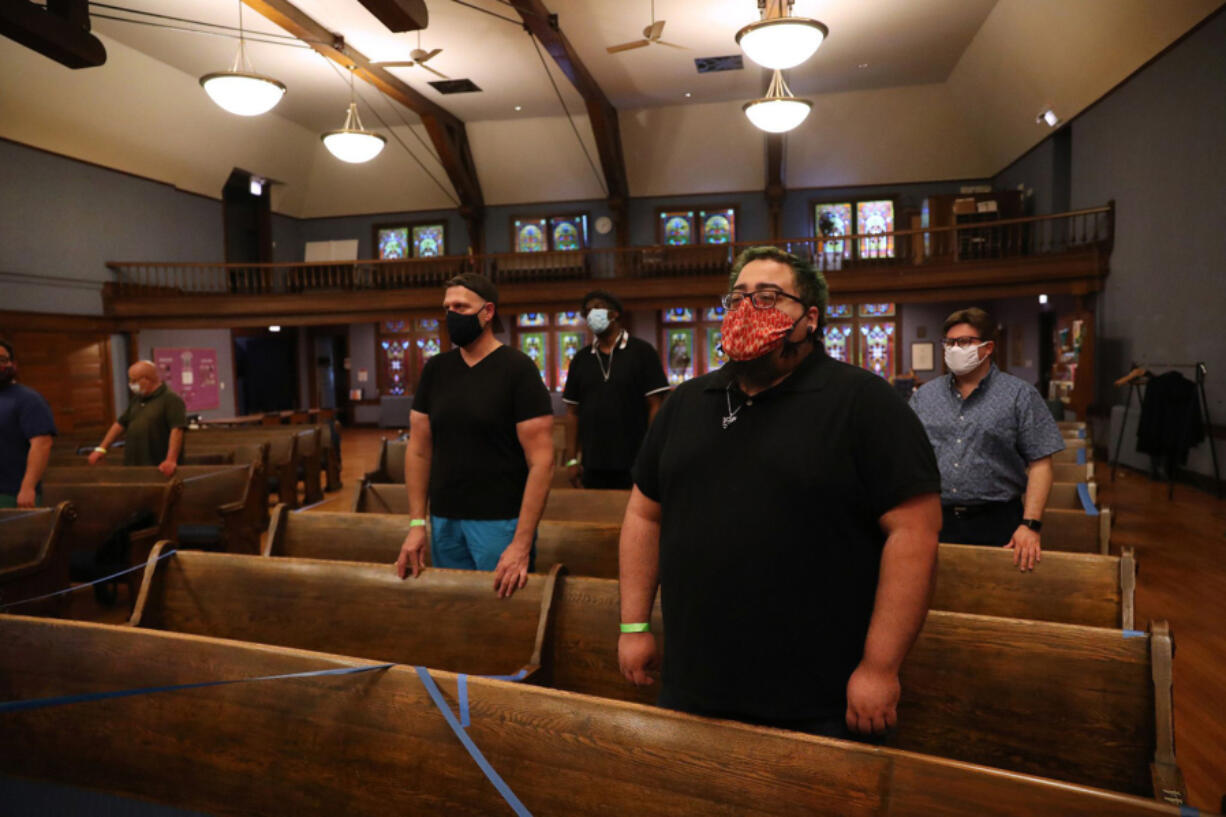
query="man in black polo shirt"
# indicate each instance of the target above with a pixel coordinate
(480, 451)
(613, 390)
(788, 505)
(152, 426)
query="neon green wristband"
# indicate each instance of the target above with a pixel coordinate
(571, 462)
(417, 523)
(637, 627)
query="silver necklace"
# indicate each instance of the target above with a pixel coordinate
(730, 417)
(605, 373)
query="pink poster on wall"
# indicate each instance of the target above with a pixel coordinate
(191, 374)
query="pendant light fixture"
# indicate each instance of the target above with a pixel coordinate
(240, 90)
(779, 111)
(779, 41)
(353, 143)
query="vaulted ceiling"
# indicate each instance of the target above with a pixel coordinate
(903, 90)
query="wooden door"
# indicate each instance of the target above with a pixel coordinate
(73, 372)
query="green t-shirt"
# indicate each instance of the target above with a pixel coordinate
(148, 422)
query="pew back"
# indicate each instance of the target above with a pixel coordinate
(1077, 531)
(562, 754)
(1067, 495)
(102, 508)
(33, 560)
(1072, 472)
(577, 505)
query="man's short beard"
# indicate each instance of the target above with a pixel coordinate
(760, 372)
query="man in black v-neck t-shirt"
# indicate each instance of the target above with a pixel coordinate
(613, 390)
(480, 452)
(787, 506)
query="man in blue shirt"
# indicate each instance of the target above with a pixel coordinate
(994, 439)
(26, 429)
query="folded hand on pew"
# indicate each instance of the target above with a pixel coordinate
(412, 553)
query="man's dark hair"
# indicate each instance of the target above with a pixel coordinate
(8, 347)
(604, 295)
(477, 283)
(980, 320)
(810, 283)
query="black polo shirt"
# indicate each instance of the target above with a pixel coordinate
(613, 412)
(477, 466)
(770, 541)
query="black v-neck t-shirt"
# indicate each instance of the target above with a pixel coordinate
(770, 539)
(477, 466)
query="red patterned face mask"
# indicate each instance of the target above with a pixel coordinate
(749, 332)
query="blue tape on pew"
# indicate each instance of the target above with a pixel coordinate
(77, 587)
(473, 751)
(1081, 433)
(1188, 811)
(1081, 456)
(1135, 634)
(462, 691)
(64, 700)
(1087, 504)
(23, 515)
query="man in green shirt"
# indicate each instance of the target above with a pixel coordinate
(152, 426)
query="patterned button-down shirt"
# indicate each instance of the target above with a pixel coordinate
(985, 442)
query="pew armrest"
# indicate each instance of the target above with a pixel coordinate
(1168, 783)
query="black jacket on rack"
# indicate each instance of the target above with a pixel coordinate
(1171, 422)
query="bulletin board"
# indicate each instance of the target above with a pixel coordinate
(191, 374)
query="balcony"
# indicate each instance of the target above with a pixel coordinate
(1063, 252)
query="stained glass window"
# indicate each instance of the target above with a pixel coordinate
(533, 345)
(569, 344)
(715, 355)
(678, 315)
(395, 370)
(678, 228)
(838, 338)
(428, 241)
(395, 327)
(718, 227)
(427, 347)
(877, 348)
(568, 319)
(875, 217)
(569, 233)
(530, 235)
(837, 311)
(679, 346)
(838, 221)
(713, 315)
(426, 324)
(876, 310)
(394, 243)
(532, 319)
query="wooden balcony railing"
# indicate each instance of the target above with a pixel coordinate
(1079, 231)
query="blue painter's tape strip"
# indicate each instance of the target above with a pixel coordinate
(77, 587)
(64, 700)
(1188, 811)
(462, 690)
(1081, 456)
(488, 770)
(16, 516)
(1081, 433)
(1135, 634)
(1087, 504)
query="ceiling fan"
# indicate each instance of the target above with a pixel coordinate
(651, 35)
(419, 58)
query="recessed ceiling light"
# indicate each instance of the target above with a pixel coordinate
(519, 107)
(688, 95)
(1042, 299)
(1048, 117)
(862, 65)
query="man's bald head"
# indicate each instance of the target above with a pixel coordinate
(144, 376)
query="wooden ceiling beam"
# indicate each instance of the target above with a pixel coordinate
(60, 31)
(776, 151)
(447, 132)
(603, 116)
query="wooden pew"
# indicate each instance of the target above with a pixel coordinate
(279, 452)
(1067, 495)
(1072, 472)
(577, 505)
(1077, 530)
(271, 748)
(447, 619)
(329, 444)
(390, 468)
(232, 500)
(1080, 704)
(373, 497)
(302, 461)
(33, 558)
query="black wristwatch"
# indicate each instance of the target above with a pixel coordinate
(1034, 524)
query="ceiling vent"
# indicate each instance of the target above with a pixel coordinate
(709, 65)
(454, 86)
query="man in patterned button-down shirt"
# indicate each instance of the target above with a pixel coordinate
(994, 439)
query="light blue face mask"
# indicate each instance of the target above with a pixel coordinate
(598, 320)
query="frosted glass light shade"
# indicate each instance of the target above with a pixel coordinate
(353, 146)
(777, 114)
(783, 42)
(241, 93)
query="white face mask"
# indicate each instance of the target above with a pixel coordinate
(135, 387)
(962, 361)
(598, 320)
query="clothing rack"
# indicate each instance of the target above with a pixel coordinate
(1137, 379)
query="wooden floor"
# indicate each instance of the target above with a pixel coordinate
(1181, 550)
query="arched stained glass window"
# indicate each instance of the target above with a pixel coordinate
(569, 344)
(837, 219)
(530, 235)
(715, 354)
(568, 319)
(838, 341)
(426, 324)
(876, 310)
(395, 327)
(679, 354)
(395, 369)
(718, 226)
(678, 315)
(533, 345)
(428, 241)
(569, 233)
(877, 348)
(678, 228)
(393, 243)
(713, 315)
(838, 311)
(427, 347)
(532, 319)
(875, 217)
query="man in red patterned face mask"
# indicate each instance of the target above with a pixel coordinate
(789, 505)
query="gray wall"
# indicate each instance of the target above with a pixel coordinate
(362, 228)
(218, 339)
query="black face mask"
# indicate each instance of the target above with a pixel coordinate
(7, 373)
(463, 329)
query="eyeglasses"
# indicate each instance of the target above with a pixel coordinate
(760, 298)
(961, 343)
